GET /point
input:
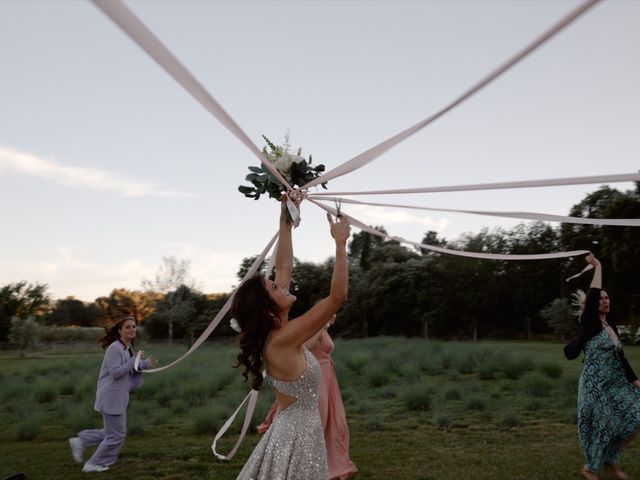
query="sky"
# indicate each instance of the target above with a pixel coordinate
(107, 165)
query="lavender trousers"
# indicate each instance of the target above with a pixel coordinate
(109, 439)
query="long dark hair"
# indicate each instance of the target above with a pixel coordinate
(254, 310)
(112, 333)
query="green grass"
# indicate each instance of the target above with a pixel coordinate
(416, 410)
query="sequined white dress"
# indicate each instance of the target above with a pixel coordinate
(293, 448)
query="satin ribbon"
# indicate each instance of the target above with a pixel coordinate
(585, 269)
(139, 33)
(374, 152)
(223, 311)
(552, 182)
(621, 222)
(460, 253)
(136, 362)
(252, 397)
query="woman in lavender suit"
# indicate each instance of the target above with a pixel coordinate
(118, 376)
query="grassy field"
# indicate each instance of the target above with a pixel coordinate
(416, 410)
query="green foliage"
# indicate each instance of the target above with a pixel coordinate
(511, 421)
(21, 300)
(28, 429)
(377, 376)
(45, 393)
(551, 370)
(444, 422)
(516, 368)
(537, 386)
(559, 315)
(296, 170)
(475, 403)
(417, 397)
(24, 333)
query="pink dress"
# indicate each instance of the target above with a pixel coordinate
(332, 415)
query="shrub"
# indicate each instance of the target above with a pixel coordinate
(195, 395)
(357, 362)
(537, 386)
(516, 368)
(45, 393)
(511, 421)
(374, 424)
(205, 421)
(67, 388)
(486, 371)
(135, 427)
(28, 429)
(444, 422)
(551, 370)
(417, 397)
(82, 418)
(533, 405)
(476, 403)
(24, 333)
(160, 418)
(377, 377)
(453, 394)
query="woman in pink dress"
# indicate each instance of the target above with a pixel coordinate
(332, 414)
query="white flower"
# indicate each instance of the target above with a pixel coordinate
(283, 163)
(235, 326)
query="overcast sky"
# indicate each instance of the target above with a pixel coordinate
(107, 164)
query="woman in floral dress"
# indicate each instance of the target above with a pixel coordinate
(609, 390)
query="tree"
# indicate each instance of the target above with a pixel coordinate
(171, 275)
(561, 318)
(70, 311)
(188, 311)
(24, 333)
(22, 300)
(122, 302)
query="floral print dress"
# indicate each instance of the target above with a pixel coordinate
(608, 404)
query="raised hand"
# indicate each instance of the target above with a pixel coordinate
(340, 229)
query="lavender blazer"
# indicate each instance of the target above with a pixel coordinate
(116, 379)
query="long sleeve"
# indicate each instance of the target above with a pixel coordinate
(114, 360)
(590, 324)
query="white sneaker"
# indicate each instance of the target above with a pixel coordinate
(77, 449)
(90, 467)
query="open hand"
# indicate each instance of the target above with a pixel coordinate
(340, 230)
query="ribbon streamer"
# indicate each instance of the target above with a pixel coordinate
(552, 182)
(585, 269)
(139, 33)
(460, 253)
(620, 222)
(252, 397)
(223, 311)
(374, 152)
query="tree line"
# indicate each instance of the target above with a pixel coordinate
(394, 290)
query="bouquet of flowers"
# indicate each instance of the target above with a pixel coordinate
(292, 166)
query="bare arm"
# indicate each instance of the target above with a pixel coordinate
(596, 281)
(284, 250)
(301, 329)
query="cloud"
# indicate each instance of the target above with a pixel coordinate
(14, 161)
(385, 215)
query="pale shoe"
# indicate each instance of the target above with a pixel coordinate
(90, 467)
(77, 449)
